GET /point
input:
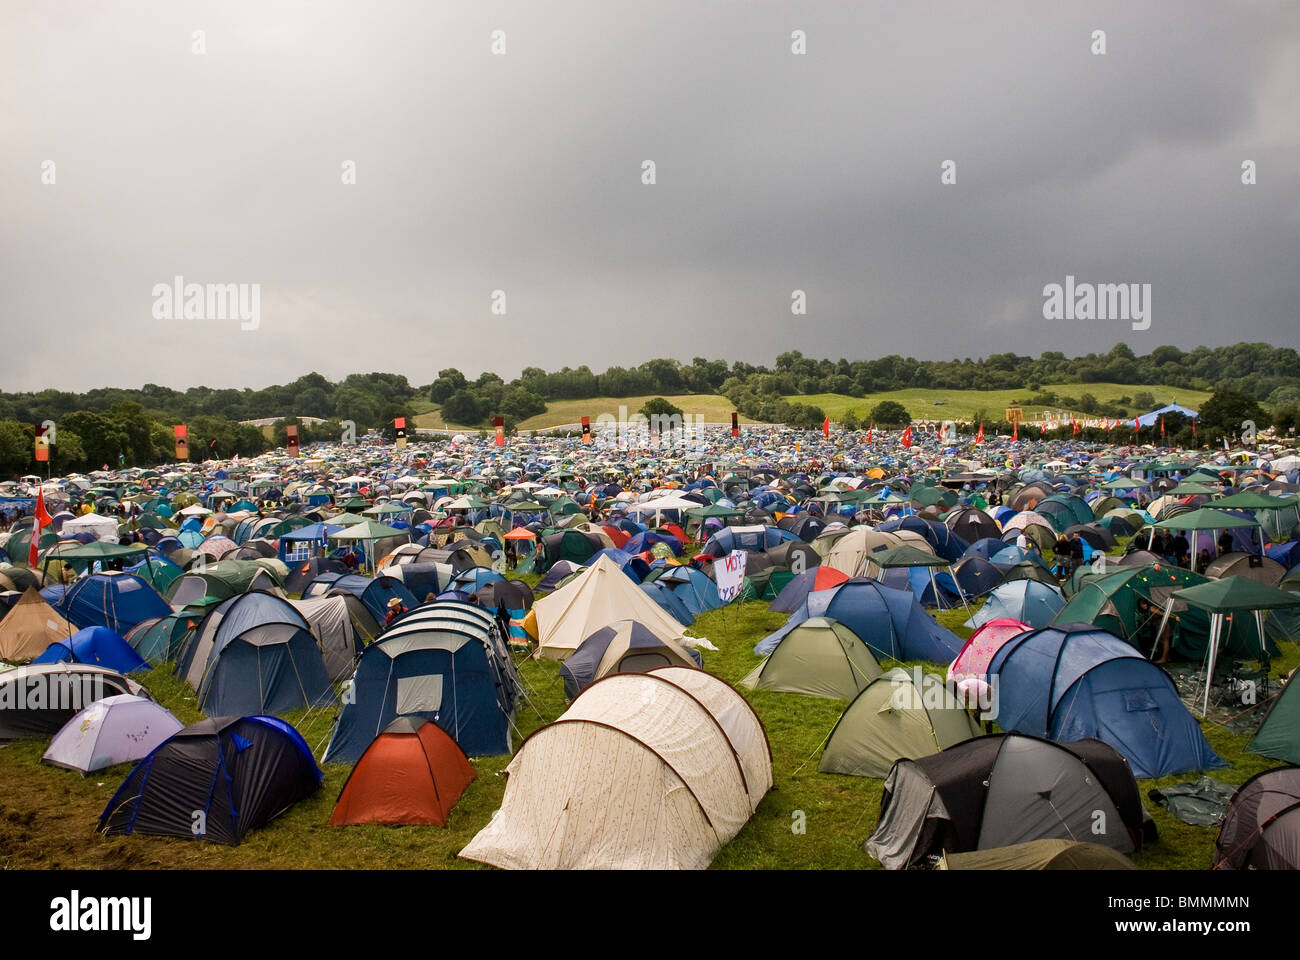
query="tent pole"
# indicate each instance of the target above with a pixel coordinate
(1164, 620)
(1216, 625)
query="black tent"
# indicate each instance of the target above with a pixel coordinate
(1005, 789)
(215, 780)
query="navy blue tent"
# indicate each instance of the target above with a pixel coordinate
(666, 598)
(255, 653)
(692, 586)
(891, 622)
(641, 542)
(430, 667)
(215, 780)
(1075, 681)
(940, 536)
(745, 538)
(115, 600)
(635, 567)
(98, 645)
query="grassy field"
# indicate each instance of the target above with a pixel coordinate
(920, 403)
(964, 404)
(48, 815)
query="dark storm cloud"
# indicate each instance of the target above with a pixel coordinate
(522, 173)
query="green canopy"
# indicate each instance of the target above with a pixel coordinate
(1205, 519)
(366, 530)
(1221, 598)
(1236, 593)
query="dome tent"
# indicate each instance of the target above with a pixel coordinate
(624, 646)
(1075, 681)
(29, 628)
(38, 699)
(683, 787)
(1005, 789)
(240, 772)
(435, 665)
(1261, 825)
(97, 645)
(890, 622)
(412, 773)
(255, 653)
(117, 729)
(893, 718)
(819, 657)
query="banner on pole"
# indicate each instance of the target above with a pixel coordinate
(729, 572)
(182, 434)
(291, 439)
(586, 429)
(500, 424)
(42, 444)
(399, 431)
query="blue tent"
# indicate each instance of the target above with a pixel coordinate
(118, 601)
(255, 653)
(432, 668)
(945, 543)
(1075, 681)
(472, 581)
(373, 592)
(635, 567)
(97, 645)
(742, 538)
(642, 542)
(666, 598)
(891, 622)
(692, 587)
(1029, 601)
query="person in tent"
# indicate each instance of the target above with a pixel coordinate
(396, 609)
(1225, 542)
(1180, 550)
(1148, 622)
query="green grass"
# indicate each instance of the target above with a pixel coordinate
(48, 815)
(964, 404)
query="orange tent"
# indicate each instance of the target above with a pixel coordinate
(411, 773)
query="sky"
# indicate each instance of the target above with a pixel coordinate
(145, 141)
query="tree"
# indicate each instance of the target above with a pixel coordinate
(15, 447)
(449, 381)
(520, 404)
(1225, 412)
(1144, 401)
(659, 407)
(890, 413)
(463, 408)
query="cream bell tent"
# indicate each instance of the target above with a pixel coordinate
(641, 772)
(30, 627)
(601, 595)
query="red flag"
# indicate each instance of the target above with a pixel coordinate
(1162, 427)
(43, 519)
(826, 427)
(1076, 425)
(870, 430)
(1136, 425)
(1193, 427)
(979, 437)
(1015, 431)
(907, 437)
